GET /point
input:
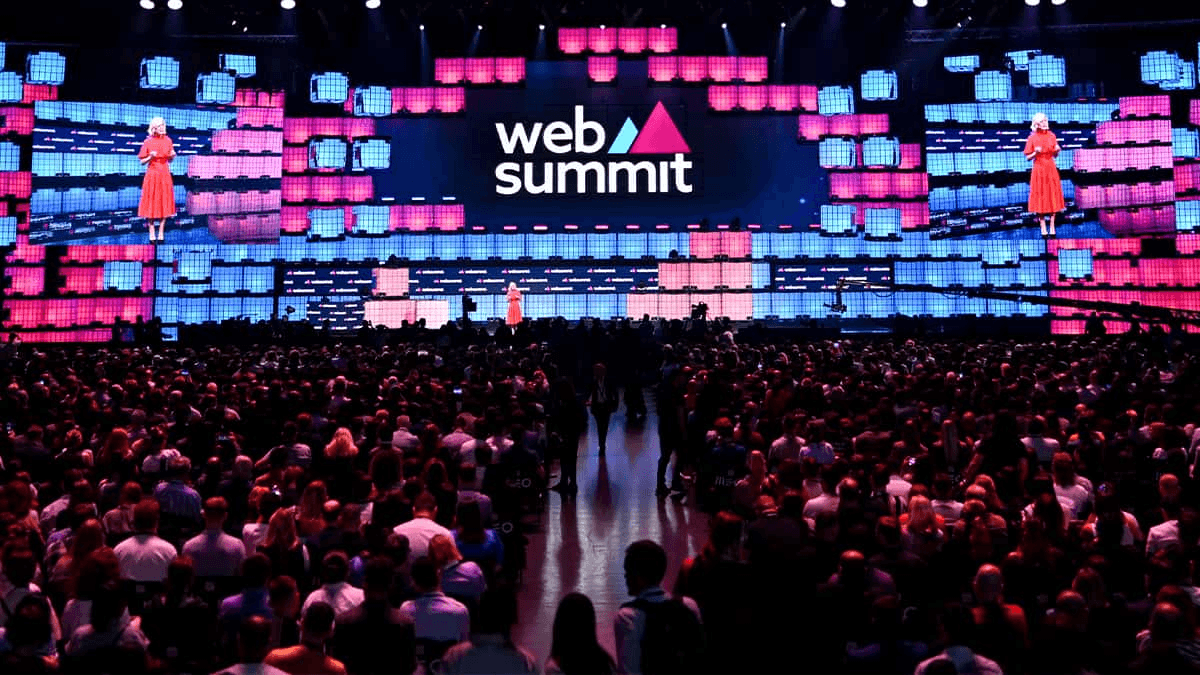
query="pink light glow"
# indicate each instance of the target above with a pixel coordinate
(418, 100)
(602, 40)
(813, 127)
(602, 69)
(40, 92)
(26, 280)
(449, 71)
(722, 68)
(1194, 112)
(663, 40)
(783, 97)
(1187, 177)
(510, 69)
(245, 140)
(1145, 106)
(1135, 131)
(295, 159)
(16, 184)
(722, 97)
(449, 217)
(481, 71)
(16, 120)
(632, 40)
(752, 97)
(910, 155)
(391, 281)
(1123, 158)
(752, 68)
(260, 117)
(572, 40)
(705, 245)
(216, 166)
(450, 99)
(693, 68)
(663, 68)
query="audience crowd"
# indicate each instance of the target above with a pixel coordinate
(876, 506)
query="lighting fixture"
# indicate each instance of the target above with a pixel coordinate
(287, 4)
(147, 4)
(373, 4)
(175, 4)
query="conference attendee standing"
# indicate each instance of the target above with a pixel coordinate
(566, 423)
(514, 305)
(1045, 186)
(158, 190)
(603, 401)
(575, 649)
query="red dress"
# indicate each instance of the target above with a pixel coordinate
(1045, 187)
(158, 190)
(514, 307)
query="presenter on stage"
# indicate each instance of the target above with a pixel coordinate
(514, 305)
(1045, 187)
(158, 190)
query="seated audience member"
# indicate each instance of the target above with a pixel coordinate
(958, 634)
(574, 649)
(253, 646)
(308, 657)
(478, 543)
(363, 630)
(26, 642)
(435, 617)
(469, 489)
(1002, 631)
(422, 527)
(19, 569)
(490, 648)
(215, 553)
(461, 579)
(111, 642)
(178, 624)
(252, 601)
(335, 591)
(283, 598)
(284, 548)
(118, 523)
(145, 557)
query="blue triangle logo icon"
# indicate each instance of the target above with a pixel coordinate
(625, 138)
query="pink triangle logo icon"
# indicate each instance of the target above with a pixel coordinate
(659, 135)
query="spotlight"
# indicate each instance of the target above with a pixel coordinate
(663, 26)
(422, 26)
(1058, 2)
(147, 4)
(234, 23)
(1033, 3)
(287, 4)
(373, 4)
(245, 28)
(783, 24)
(838, 3)
(920, 3)
(175, 4)
(602, 26)
(724, 26)
(541, 26)
(479, 27)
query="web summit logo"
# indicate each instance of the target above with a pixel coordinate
(658, 136)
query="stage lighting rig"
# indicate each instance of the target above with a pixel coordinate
(287, 4)
(146, 4)
(175, 4)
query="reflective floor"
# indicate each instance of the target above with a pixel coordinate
(582, 540)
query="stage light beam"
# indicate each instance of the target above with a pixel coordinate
(724, 26)
(147, 4)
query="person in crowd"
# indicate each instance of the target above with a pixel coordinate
(375, 622)
(251, 601)
(253, 646)
(215, 553)
(177, 623)
(111, 641)
(335, 591)
(436, 617)
(461, 579)
(676, 621)
(603, 401)
(145, 557)
(574, 649)
(309, 657)
(283, 546)
(423, 527)
(490, 647)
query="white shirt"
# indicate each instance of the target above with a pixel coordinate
(419, 532)
(898, 487)
(404, 439)
(1162, 536)
(342, 597)
(1078, 495)
(454, 440)
(948, 509)
(785, 448)
(629, 627)
(463, 579)
(145, 557)
(253, 534)
(823, 503)
(1043, 447)
(437, 617)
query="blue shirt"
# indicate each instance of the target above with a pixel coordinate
(236, 608)
(178, 499)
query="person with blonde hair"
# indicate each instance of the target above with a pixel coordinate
(1045, 186)
(158, 190)
(922, 532)
(342, 445)
(514, 304)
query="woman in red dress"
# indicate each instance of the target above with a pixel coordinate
(1045, 187)
(158, 190)
(514, 305)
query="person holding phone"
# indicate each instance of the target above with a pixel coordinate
(1045, 185)
(158, 190)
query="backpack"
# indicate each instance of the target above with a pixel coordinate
(673, 643)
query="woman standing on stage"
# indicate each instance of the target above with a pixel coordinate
(1045, 186)
(158, 190)
(514, 305)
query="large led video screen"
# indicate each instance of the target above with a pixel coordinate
(88, 177)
